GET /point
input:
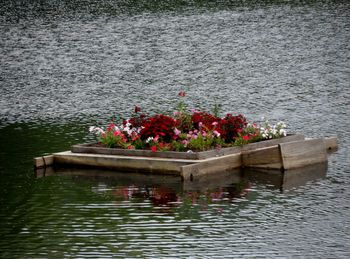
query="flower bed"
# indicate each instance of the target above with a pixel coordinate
(183, 131)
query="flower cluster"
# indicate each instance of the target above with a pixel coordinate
(185, 131)
(269, 131)
(113, 136)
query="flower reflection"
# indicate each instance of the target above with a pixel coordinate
(166, 197)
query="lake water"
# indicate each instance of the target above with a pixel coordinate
(66, 65)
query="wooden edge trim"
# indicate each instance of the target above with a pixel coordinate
(210, 166)
(43, 161)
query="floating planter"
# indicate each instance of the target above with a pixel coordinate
(291, 152)
(191, 144)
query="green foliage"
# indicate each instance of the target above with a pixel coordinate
(216, 109)
(110, 139)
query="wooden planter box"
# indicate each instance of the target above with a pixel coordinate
(290, 152)
(92, 148)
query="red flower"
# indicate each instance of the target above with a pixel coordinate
(137, 109)
(205, 119)
(154, 148)
(231, 125)
(111, 127)
(245, 137)
(160, 125)
(136, 121)
(182, 93)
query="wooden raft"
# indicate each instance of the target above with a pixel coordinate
(283, 154)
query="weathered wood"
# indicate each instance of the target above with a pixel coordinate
(268, 157)
(124, 163)
(302, 153)
(43, 161)
(92, 149)
(287, 154)
(210, 166)
(272, 142)
(331, 143)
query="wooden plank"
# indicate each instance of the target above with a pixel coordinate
(210, 166)
(124, 163)
(218, 152)
(43, 161)
(268, 157)
(91, 149)
(272, 142)
(331, 143)
(302, 153)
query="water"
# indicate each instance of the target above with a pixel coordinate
(68, 65)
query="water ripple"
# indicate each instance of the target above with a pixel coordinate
(62, 72)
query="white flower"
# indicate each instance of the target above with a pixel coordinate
(149, 139)
(281, 124)
(96, 130)
(282, 132)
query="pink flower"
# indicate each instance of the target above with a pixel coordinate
(177, 132)
(182, 93)
(111, 127)
(216, 134)
(214, 123)
(154, 148)
(176, 113)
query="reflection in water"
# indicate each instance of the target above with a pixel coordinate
(285, 180)
(160, 190)
(165, 191)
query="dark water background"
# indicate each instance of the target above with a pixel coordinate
(66, 65)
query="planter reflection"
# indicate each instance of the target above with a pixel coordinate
(286, 180)
(160, 190)
(166, 191)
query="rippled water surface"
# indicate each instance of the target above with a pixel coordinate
(66, 65)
